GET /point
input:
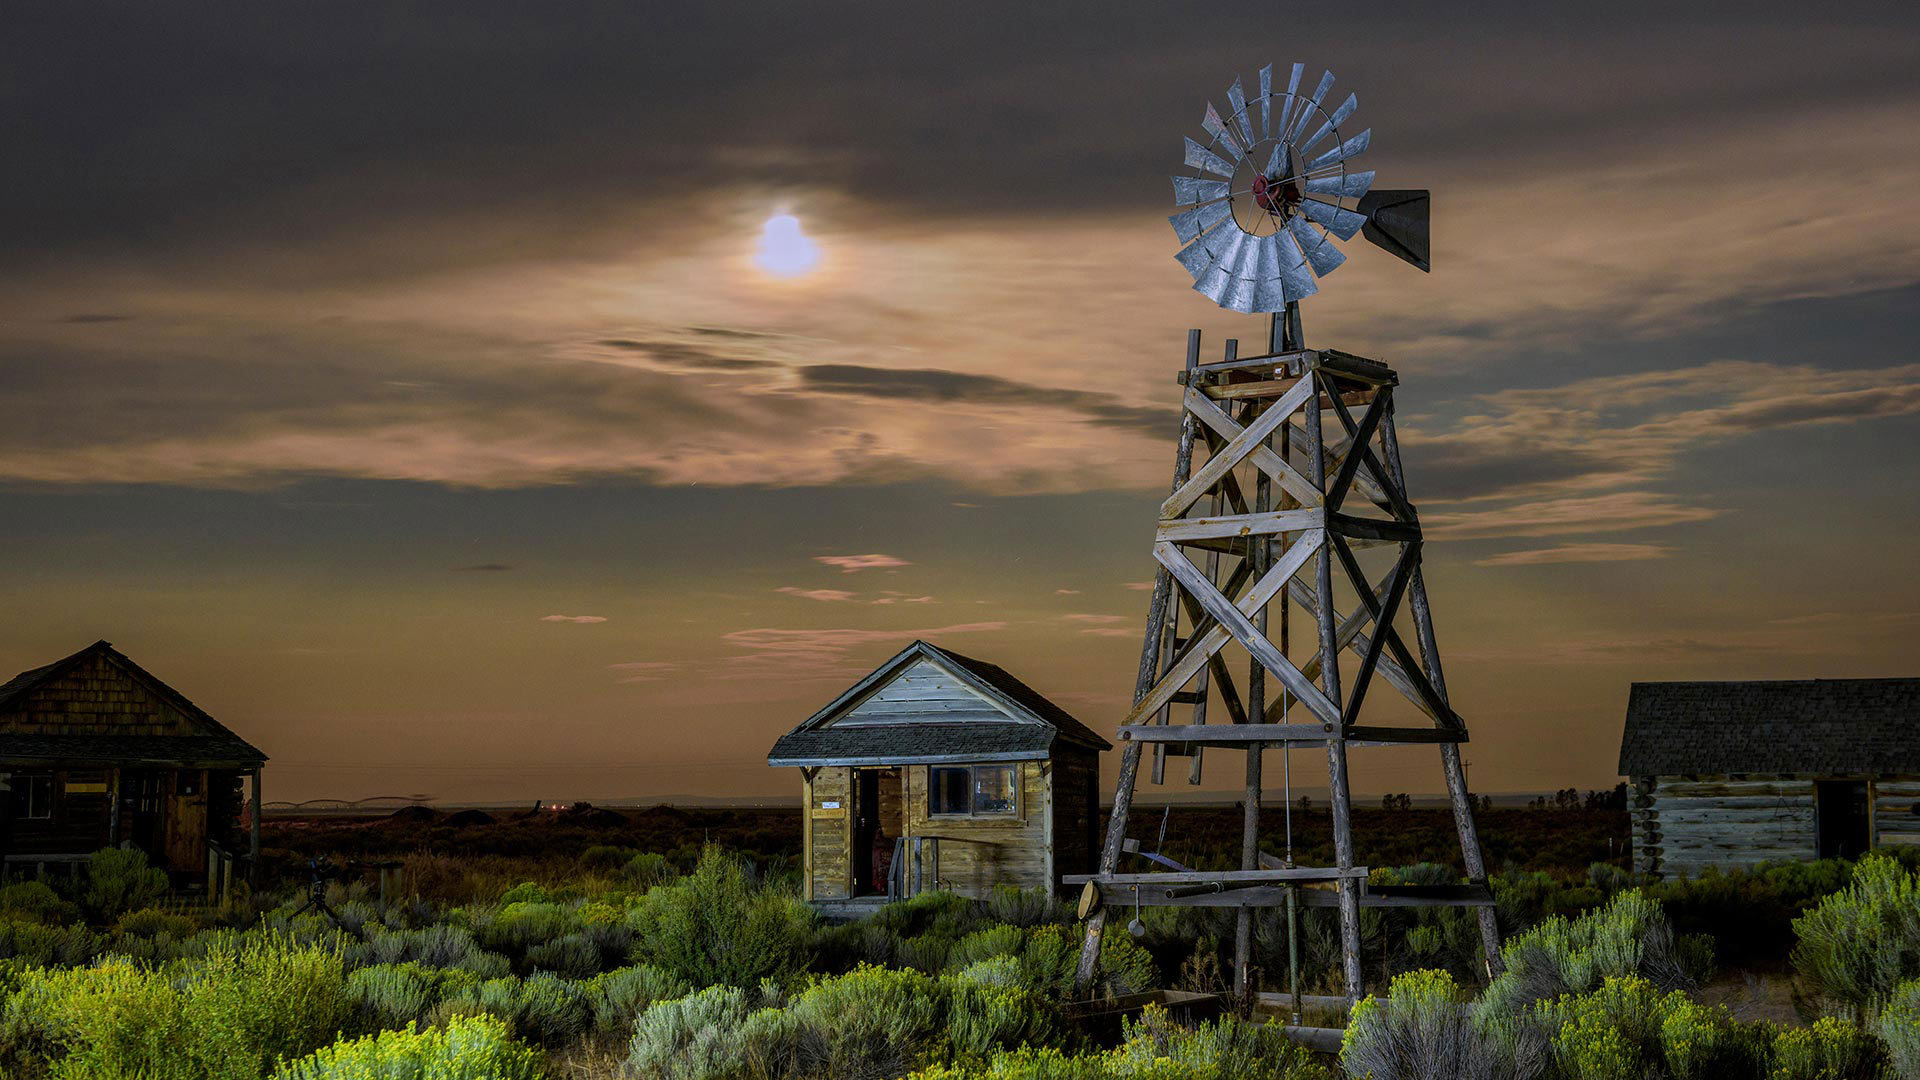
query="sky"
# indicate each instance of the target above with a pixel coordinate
(400, 384)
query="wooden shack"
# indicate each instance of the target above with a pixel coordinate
(96, 752)
(939, 771)
(1736, 773)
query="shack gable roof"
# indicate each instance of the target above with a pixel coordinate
(1807, 727)
(211, 741)
(972, 711)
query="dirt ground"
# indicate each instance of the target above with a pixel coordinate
(1753, 996)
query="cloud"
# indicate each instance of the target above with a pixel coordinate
(485, 567)
(645, 671)
(93, 318)
(1110, 631)
(1066, 592)
(892, 597)
(819, 653)
(829, 595)
(1093, 620)
(1614, 512)
(1578, 553)
(1138, 586)
(677, 355)
(574, 618)
(850, 564)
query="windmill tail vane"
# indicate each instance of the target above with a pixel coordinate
(1273, 193)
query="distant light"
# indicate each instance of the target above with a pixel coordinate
(785, 251)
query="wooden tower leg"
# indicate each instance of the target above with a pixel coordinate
(1339, 797)
(1458, 796)
(1157, 610)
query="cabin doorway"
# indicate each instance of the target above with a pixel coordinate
(1843, 821)
(878, 821)
(143, 792)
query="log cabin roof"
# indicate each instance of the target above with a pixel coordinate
(212, 742)
(1016, 722)
(1810, 726)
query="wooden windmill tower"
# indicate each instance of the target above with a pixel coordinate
(1287, 483)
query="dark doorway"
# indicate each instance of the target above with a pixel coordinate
(1843, 819)
(142, 795)
(866, 825)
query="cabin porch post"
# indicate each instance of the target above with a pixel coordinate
(253, 832)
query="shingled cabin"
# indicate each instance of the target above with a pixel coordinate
(939, 771)
(96, 752)
(1731, 774)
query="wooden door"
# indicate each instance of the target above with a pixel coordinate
(187, 821)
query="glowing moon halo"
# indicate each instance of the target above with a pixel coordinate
(785, 251)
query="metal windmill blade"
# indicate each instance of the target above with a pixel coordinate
(1268, 202)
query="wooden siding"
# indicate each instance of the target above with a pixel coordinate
(975, 854)
(1682, 825)
(924, 691)
(829, 826)
(1896, 813)
(1076, 810)
(96, 698)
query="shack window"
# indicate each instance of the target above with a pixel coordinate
(32, 795)
(973, 791)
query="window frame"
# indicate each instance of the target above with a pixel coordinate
(27, 784)
(1013, 813)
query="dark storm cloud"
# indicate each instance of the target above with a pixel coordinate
(934, 385)
(138, 126)
(676, 354)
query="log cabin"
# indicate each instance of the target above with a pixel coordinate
(939, 771)
(1732, 774)
(97, 752)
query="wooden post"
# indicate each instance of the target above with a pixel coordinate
(1458, 795)
(1337, 791)
(1143, 681)
(1260, 555)
(253, 832)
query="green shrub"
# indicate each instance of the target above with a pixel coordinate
(35, 901)
(1899, 1027)
(717, 927)
(1226, 1049)
(605, 858)
(525, 893)
(390, 996)
(872, 1021)
(1015, 906)
(469, 1048)
(697, 1037)
(48, 946)
(542, 1007)
(1629, 936)
(230, 1016)
(1628, 1029)
(1425, 1027)
(1832, 1049)
(152, 922)
(575, 956)
(619, 996)
(443, 946)
(983, 1018)
(1859, 943)
(119, 880)
(647, 869)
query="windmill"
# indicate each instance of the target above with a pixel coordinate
(1272, 502)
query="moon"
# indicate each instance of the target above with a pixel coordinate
(785, 251)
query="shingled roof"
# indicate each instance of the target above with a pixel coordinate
(1032, 726)
(214, 745)
(1807, 727)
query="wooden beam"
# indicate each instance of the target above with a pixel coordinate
(1225, 733)
(1108, 883)
(1393, 532)
(1185, 530)
(1236, 450)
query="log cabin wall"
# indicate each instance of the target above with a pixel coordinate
(978, 853)
(1682, 825)
(1896, 812)
(1685, 824)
